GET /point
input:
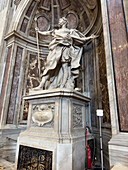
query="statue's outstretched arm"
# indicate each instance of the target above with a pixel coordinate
(90, 37)
(44, 32)
(84, 39)
(79, 37)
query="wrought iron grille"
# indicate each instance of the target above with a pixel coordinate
(34, 159)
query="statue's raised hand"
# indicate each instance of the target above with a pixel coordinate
(37, 29)
(93, 36)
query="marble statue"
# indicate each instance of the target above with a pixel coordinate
(63, 61)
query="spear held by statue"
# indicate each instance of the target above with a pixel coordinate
(38, 48)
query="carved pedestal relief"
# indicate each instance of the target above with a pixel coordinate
(43, 115)
(77, 116)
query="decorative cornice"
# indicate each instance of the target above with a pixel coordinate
(14, 34)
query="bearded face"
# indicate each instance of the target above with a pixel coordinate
(62, 21)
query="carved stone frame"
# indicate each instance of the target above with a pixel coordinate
(43, 15)
(65, 6)
(42, 7)
(77, 19)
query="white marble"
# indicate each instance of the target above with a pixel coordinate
(64, 134)
(66, 48)
(118, 145)
(118, 150)
(119, 168)
(109, 67)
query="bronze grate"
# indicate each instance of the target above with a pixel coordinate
(34, 159)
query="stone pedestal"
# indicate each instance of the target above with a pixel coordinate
(56, 123)
(118, 150)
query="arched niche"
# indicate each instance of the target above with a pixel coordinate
(83, 15)
(85, 12)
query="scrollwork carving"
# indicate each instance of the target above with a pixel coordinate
(77, 116)
(43, 114)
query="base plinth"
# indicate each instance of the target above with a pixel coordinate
(56, 123)
(118, 150)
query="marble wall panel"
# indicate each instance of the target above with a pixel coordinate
(24, 25)
(120, 58)
(89, 81)
(55, 15)
(45, 3)
(64, 2)
(14, 90)
(43, 23)
(91, 71)
(30, 9)
(86, 20)
(31, 79)
(103, 84)
(79, 6)
(54, 2)
(72, 21)
(5, 79)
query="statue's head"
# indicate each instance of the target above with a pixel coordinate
(62, 21)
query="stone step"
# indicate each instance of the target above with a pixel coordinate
(8, 150)
(119, 168)
(6, 165)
